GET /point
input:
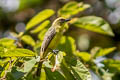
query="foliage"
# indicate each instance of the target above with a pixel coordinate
(20, 63)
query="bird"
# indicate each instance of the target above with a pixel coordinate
(51, 39)
(52, 36)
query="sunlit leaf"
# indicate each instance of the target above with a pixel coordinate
(6, 42)
(41, 34)
(39, 18)
(60, 56)
(28, 40)
(103, 52)
(80, 72)
(43, 75)
(84, 56)
(95, 24)
(17, 53)
(41, 26)
(112, 65)
(72, 8)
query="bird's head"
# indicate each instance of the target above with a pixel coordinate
(60, 21)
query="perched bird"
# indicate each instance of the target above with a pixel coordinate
(51, 39)
(53, 36)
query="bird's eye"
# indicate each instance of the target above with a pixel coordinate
(64, 20)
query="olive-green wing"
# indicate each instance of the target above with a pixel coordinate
(47, 39)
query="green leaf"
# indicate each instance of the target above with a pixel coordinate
(66, 71)
(6, 42)
(112, 65)
(103, 52)
(80, 72)
(69, 48)
(16, 53)
(16, 74)
(43, 75)
(7, 67)
(84, 56)
(95, 24)
(10, 76)
(72, 8)
(53, 75)
(42, 33)
(41, 26)
(28, 65)
(60, 56)
(39, 18)
(28, 40)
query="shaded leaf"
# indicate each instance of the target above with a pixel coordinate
(7, 67)
(16, 74)
(10, 76)
(53, 75)
(28, 40)
(3, 72)
(112, 65)
(66, 71)
(80, 72)
(95, 24)
(69, 48)
(39, 18)
(72, 8)
(41, 26)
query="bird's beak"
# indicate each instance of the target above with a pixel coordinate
(66, 20)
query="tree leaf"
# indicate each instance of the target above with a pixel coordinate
(72, 8)
(80, 72)
(53, 75)
(69, 48)
(39, 18)
(93, 23)
(41, 26)
(42, 33)
(65, 68)
(15, 74)
(28, 65)
(18, 52)
(3, 72)
(84, 56)
(7, 67)
(6, 42)
(43, 75)
(28, 39)
(103, 52)
(112, 65)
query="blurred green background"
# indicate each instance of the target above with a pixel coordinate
(14, 14)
